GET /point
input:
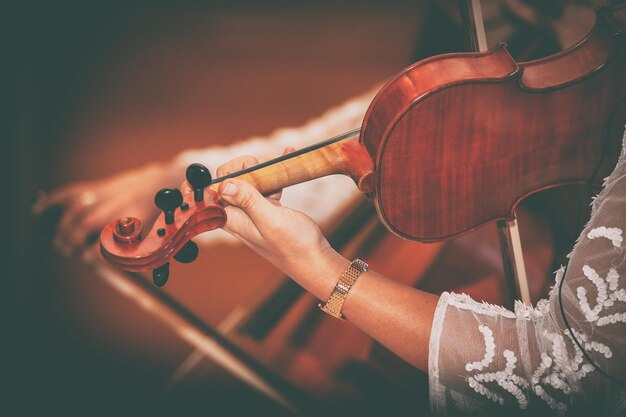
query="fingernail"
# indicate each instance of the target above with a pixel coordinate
(229, 189)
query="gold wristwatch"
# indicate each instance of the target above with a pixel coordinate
(334, 304)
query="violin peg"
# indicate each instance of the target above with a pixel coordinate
(168, 199)
(188, 253)
(161, 274)
(199, 177)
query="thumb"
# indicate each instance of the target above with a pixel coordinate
(249, 199)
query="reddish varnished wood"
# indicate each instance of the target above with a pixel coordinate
(121, 242)
(123, 246)
(451, 143)
(459, 139)
(127, 230)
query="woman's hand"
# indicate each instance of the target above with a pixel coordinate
(88, 206)
(398, 316)
(287, 238)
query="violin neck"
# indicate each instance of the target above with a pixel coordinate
(341, 155)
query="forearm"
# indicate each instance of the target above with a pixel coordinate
(398, 316)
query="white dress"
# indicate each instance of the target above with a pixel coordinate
(484, 359)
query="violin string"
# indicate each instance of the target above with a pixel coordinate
(587, 190)
(234, 319)
(290, 155)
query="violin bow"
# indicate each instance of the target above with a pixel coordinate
(259, 315)
(508, 231)
(207, 341)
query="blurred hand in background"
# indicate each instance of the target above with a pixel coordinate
(87, 206)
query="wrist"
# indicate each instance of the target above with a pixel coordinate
(336, 264)
(320, 273)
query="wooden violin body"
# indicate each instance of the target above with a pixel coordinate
(460, 139)
(452, 142)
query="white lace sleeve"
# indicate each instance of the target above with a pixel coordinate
(309, 197)
(486, 360)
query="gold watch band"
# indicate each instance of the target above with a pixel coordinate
(334, 304)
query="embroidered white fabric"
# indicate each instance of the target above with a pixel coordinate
(486, 360)
(311, 197)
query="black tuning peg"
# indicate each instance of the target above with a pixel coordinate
(187, 253)
(168, 199)
(161, 274)
(199, 177)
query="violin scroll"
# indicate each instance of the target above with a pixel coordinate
(127, 230)
(124, 244)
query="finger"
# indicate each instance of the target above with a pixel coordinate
(78, 221)
(240, 225)
(276, 196)
(71, 215)
(58, 197)
(61, 247)
(245, 196)
(90, 223)
(91, 254)
(76, 237)
(186, 188)
(236, 164)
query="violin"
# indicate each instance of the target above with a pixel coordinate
(449, 144)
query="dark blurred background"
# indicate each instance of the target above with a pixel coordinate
(96, 88)
(101, 87)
